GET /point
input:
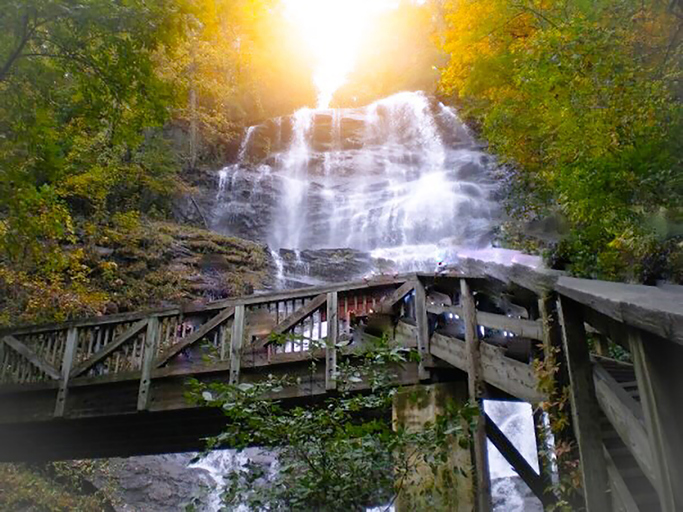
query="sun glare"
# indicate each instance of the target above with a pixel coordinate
(334, 30)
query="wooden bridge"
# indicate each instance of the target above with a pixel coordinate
(115, 385)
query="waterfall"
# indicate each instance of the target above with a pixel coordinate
(402, 176)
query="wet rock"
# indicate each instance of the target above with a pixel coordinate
(156, 483)
(326, 265)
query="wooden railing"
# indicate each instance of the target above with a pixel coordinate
(489, 321)
(140, 345)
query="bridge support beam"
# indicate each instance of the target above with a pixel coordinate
(149, 350)
(412, 408)
(331, 345)
(67, 362)
(236, 341)
(585, 407)
(657, 365)
(476, 388)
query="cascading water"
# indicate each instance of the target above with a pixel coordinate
(401, 180)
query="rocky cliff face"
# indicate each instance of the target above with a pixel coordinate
(160, 263)
(155, 483)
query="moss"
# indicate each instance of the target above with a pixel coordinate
(51, 487)
(133, 265)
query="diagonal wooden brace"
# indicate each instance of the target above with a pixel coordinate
(539, 484)
(108, 349)
(386, 305)
(300, 314)
(194, 337)
(31, 356)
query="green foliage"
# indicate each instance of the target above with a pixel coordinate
(80, 110)
(582, 99)
(340, 455)
(51, 487)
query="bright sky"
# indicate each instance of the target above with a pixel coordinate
(334, 30)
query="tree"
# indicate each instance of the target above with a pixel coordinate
(583, 99)
(342, 454)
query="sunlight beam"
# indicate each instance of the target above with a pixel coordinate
(335, 31)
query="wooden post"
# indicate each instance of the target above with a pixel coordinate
(552, 335)
(2, 361)
(545, 462)
(554, 355)
(422, 328)
(67, 363)
(236, 344)
(222, 334)
(585, 408)
(148, 356)
(331, 345)
(476, 390)
(658, 366)
(601, 345)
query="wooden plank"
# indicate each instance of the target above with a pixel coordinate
(655, 310)
(552, 349)
(626, 416)
(236, 341)
(386, 305)
(185, 342)
(620, 489)
(530, 277)
(537, 483)
(105, 351)
(104, 320)
(331, 345)
(309, 292)
(422, 327)
(512, 376)
(658, 366)
(151, 341)
(585, 408)
(31, 357)
(67, 362)
(601, 345)
(607, 326)
(476, 388)
(519, 326)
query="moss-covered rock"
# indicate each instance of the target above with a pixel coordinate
(54, 486)
(131, 264)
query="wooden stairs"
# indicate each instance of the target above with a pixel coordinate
(619, 457)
